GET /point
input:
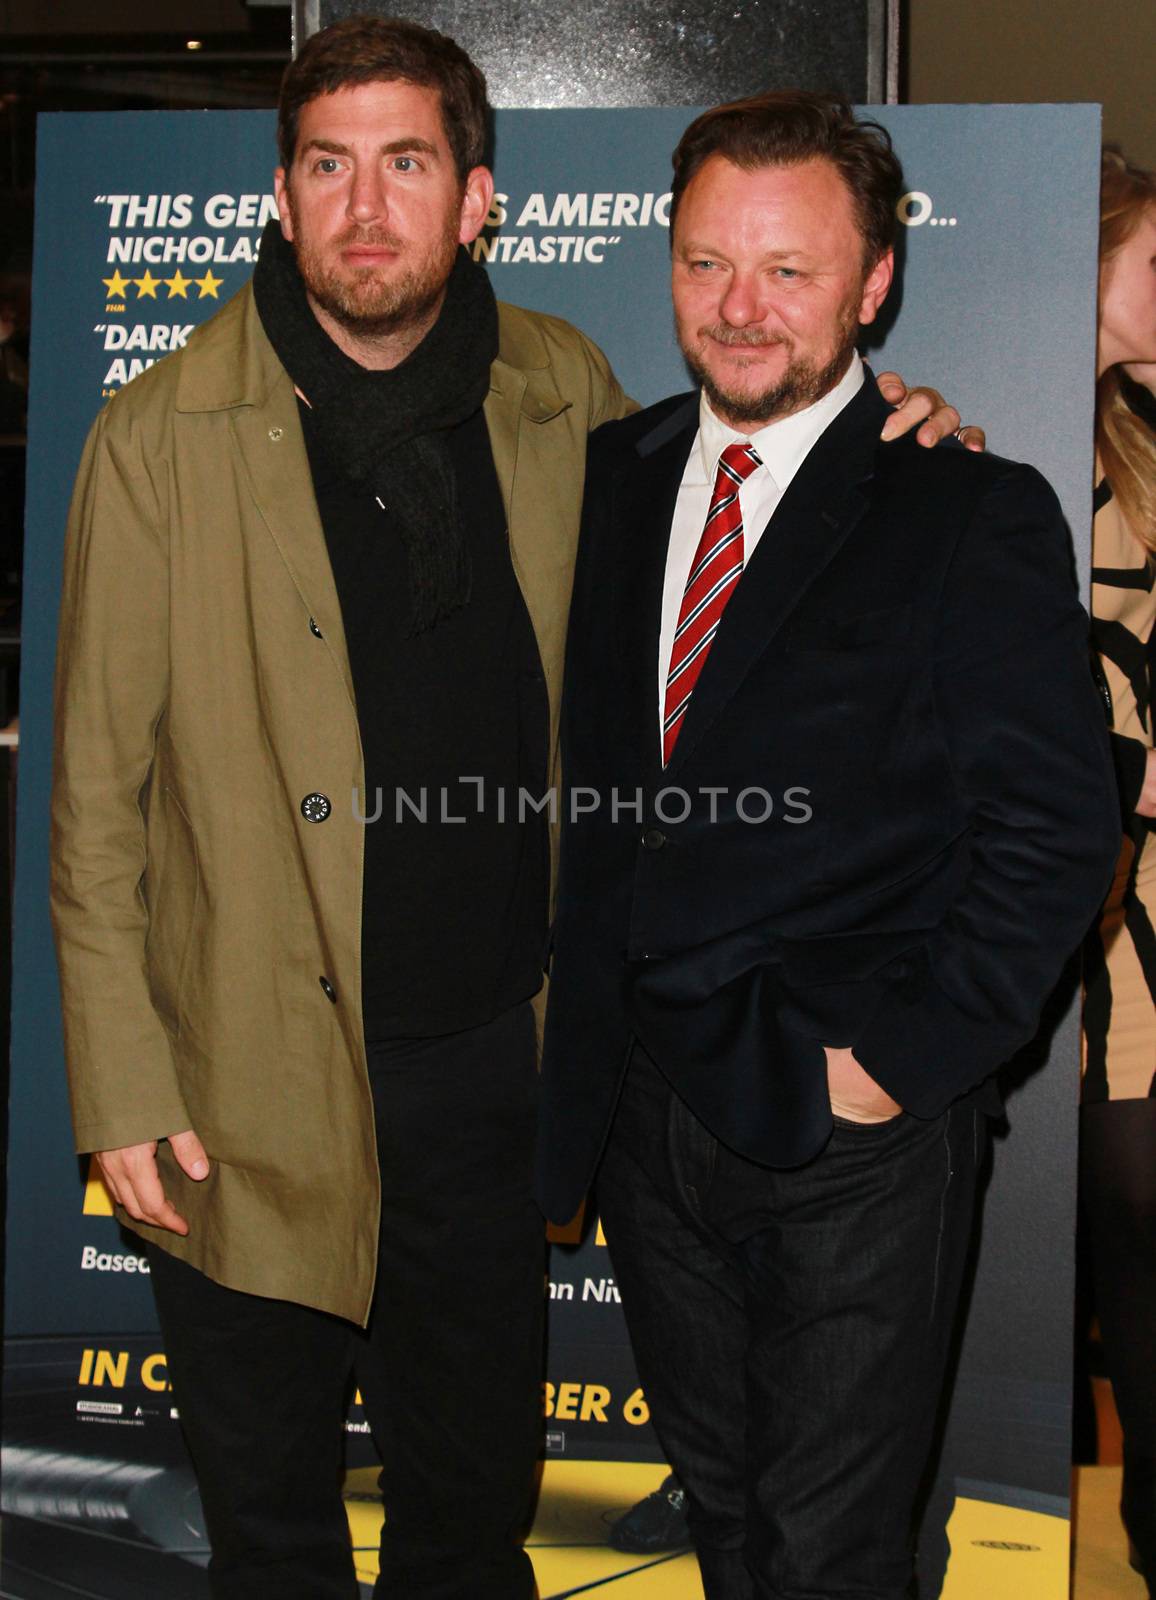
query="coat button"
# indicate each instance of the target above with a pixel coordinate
(330, 991)
(316, 807)
(653, 839)
(315, 630)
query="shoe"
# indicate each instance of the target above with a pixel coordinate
(654, 1524)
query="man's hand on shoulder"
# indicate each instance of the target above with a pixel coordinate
(855, 1095)
(927, 410)
(132, 1177)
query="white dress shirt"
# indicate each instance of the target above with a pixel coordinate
(783, 446)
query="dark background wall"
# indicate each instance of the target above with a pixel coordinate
(122, 16)
(650, 52)
(1021, 50)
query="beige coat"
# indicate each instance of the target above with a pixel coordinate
(196, 910)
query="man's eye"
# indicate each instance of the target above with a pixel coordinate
(327, 164)
(703, 265)
(786, 272)
(404, 164)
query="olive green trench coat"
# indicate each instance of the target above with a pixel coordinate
(208, 934)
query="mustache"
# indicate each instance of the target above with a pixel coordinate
(377, 238)
(751, 338)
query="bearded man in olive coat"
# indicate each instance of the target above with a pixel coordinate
(318, 558)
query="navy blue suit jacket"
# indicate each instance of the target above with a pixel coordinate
(902, 673)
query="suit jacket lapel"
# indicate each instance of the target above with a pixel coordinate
(503, 411)
(238, 372)
(517, 398)
(821, 507)
(644, 497)
(272, 448)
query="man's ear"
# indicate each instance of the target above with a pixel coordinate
(281, 195)
(876, 285)
(476, 199)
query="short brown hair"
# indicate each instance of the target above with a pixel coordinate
(787, 126)
(361, 50)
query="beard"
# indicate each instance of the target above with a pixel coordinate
(359, 298)
(801, 383)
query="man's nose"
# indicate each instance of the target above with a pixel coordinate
(744, 301)
(367, 196)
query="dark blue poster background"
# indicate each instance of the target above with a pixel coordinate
(146, 224)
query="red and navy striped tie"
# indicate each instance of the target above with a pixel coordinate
(714, 572)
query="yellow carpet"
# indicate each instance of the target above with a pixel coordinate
(997, 1553)
(1101, 1549)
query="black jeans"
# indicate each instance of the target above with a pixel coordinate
(791, 1330)
(1118, 1216)
(449, 1369)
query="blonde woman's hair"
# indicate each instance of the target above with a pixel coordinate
(1126, 444)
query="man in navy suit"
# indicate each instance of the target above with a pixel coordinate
(839, 807)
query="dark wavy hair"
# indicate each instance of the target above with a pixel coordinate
(363, 49)
(787, 126)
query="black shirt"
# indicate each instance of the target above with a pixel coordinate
(454, 730)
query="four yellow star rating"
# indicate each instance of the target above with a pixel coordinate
(178, 286)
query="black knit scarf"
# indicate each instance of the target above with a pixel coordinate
(387, 429)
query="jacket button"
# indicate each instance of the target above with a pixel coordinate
(653, 839)
(315, 630)
(330, 991)
(316, 807)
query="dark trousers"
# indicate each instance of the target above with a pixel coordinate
(791, 1330)
(1118, 1218)
(449, 1369)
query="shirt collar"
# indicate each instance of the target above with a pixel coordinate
(783, 445)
